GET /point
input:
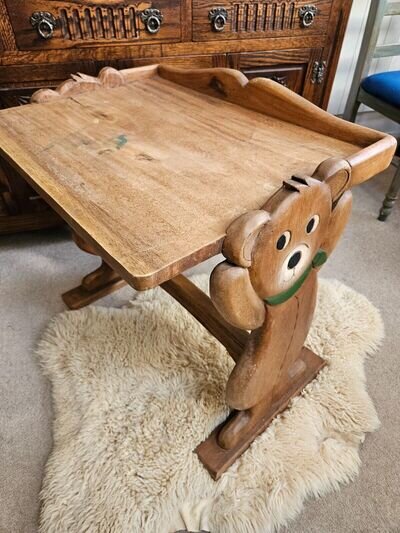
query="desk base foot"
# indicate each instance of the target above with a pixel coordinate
(217, 459)
(96, 285)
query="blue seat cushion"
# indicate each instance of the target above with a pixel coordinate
(385, 86)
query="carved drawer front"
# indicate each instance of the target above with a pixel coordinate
(290, 76)
(239, 20)
(46, 24)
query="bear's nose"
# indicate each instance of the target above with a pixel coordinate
(294, 260)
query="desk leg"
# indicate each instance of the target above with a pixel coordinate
(96, 285)
(268, 285)
(277, 378)
(273, 368)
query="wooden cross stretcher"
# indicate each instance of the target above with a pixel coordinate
(157, 169)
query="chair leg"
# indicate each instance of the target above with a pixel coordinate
(352, 115)
(390, 197)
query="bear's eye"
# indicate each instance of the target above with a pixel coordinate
(312, 224)
(283, 240)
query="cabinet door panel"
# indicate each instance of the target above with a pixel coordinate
(290, 76)
(294, 69)
(197, 61)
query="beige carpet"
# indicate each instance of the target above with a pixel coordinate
(135, 390)
(35, 268)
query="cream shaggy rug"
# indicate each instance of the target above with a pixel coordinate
(136, 389)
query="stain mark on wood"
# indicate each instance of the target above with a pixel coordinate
(121, 140)
(144, 157)
(105, 151)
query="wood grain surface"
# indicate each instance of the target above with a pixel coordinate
(151, 173)
(89, 36)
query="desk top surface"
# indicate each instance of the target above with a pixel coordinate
(153, 172)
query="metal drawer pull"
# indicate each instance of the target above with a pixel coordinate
(318, 72)
(152, 19)
(218, 18)
(44, 22)
(307, 15)
(282, 80)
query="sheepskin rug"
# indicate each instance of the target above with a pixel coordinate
(136, 389)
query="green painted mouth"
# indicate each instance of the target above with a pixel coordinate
(319, 259)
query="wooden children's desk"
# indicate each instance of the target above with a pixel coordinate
(157, 169)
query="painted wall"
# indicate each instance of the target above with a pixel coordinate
(389, 34)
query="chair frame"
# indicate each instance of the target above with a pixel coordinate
(357, 96)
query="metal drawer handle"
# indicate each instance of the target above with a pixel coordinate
(282, 80)
(218, 18)
(307, 15)
(44, 22)
(152, 19)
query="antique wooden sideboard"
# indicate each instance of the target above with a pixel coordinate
(42, 42)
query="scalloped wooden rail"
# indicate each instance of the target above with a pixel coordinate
(260, 94)
(108, 78)
(272, 99)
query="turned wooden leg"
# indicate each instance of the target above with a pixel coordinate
(390, 197)
(99, 283)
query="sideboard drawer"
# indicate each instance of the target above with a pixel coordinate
(290, 76)
(48, 24)
(248, 19)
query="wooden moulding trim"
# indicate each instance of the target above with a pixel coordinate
(7, 38)
(336, 31)
(144, 51)
(29, 221)
(270, 98)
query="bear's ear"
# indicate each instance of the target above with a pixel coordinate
(233, 295)
(241, 236)
(336, 173)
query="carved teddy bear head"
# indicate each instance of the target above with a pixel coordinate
(269, 250)
(284, 244)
